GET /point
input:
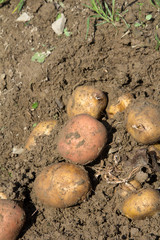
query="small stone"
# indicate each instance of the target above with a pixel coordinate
(134, 232)
(58, 25)
(141, 177)
(24, 17)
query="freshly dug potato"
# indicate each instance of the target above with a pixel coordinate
(12, 218)
(86, 99)
(144, 203)
(62, 185)
(143, 122)
(122, 104)
(82, 139)
(42, 128)
(129, 187)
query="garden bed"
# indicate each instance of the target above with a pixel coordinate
(115, 59)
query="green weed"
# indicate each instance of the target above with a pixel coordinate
(67, 33)
(34, 105)
(155, 3)
(105, 13)
(3, 1)
(158, 42)
(34, 125)
(140, 21)
(19, 7)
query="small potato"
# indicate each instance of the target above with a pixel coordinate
(144, 203)
(82, 139)
(123, 103)
(143, 122)
(86, 99)
(129, 187)
(42, 128)
(62, 185)
(12, 218)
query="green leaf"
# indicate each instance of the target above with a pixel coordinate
(34, 105)
(149, 17)
(34, 125)
(58, 16)
(3, 1)
(67, 33)
(137, 24)
(40, 57)
(19, 6)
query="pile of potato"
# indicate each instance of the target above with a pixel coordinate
(81, 141)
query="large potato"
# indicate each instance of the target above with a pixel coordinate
(62, 185)
(42, 128)
(143, 122)
(12, 218)
(144, 203)
(82, 139)
(86, 99)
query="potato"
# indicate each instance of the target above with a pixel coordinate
(143, 122)
(122, 104)
(144, 203)
(129, 187)
(42, 128)
(62, 185)
(82, 139)
(12, 218)
(86, 99)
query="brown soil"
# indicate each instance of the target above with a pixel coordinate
(113, 59)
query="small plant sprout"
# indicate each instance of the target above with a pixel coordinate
(155, 3)
(34, 125)
(19, 6)
(34, 105)
(41, 56)
(140, 22)
(67, 33)
(105, 13)
(3, 1)
(158, 42)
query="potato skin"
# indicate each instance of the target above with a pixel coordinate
(144, 203)
(86, 99)
(123, 102)
(42, 128)
(143, 122)
(62, 185)
(82, 139)
(12, 218)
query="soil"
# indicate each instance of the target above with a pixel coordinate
(114, 59)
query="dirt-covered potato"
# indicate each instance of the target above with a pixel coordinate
(82, 139)
(129, 187)
(86, 99)
(144, 203)
(42, 128)
(123, 103)
(143, 122)
(12, 218)
(62, 185)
